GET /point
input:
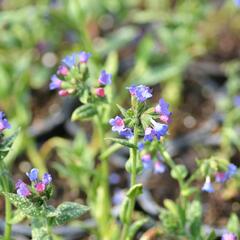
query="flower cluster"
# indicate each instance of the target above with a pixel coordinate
(72, 74)
(220, 177)
(73, 66)
(154, 129)
(4, 124)
(37, 186)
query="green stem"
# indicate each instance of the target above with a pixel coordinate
(104, 169)
(8, 216)
(133, 158)
(8, 207)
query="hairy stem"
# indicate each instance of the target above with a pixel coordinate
(133, 159)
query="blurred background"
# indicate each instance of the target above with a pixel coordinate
(188, 51)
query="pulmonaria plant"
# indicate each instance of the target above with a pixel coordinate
(31, 202)
(142, 128)
(74, 77)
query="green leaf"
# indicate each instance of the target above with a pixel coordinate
(6, 144)
(25, 205)
(123, 142)
(122, 110)
(124, 210)
(84, 112)
(179, 172)
(135, 190)
(18, 216)
(233, 224)
(67, 211)
(188, 191)
(212, 236)
(135, 227)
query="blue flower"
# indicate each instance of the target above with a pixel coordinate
(4, 124)
(159, 167)
(127, 133)
(162, 108)
(70, 60)
(84, 56)
(140, 146)
(229, 236)
(55, 83)
(141, 92)
(232, 170)
(117, 124)
(105, 78)
(159, 129)
(22, 190)
(47, 178)
(208, 187)
(147, 161)
(33, 174)
(149, 134)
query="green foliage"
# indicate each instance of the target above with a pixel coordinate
(68, 211)
(84, 112)
(26, 205)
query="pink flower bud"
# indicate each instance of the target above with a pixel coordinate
(63, 93)
(100, 92)
(40, 187)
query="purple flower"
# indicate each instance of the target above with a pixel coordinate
(149, 134)
(22, 190)
(62, 70)
(229, 236)
(105, 78)
(84, 56)
(141, 92)
(70, 60)
(117, 124)
(18, 183)
(147, 161)
(33, 174)
(221, 177)
(47, 178)
(208, 187)
(4, 124)
(162, 108)
(159, 167)
(159, 129)
(127, 133)
(55, 83)
(140, 146)
(232, 170)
